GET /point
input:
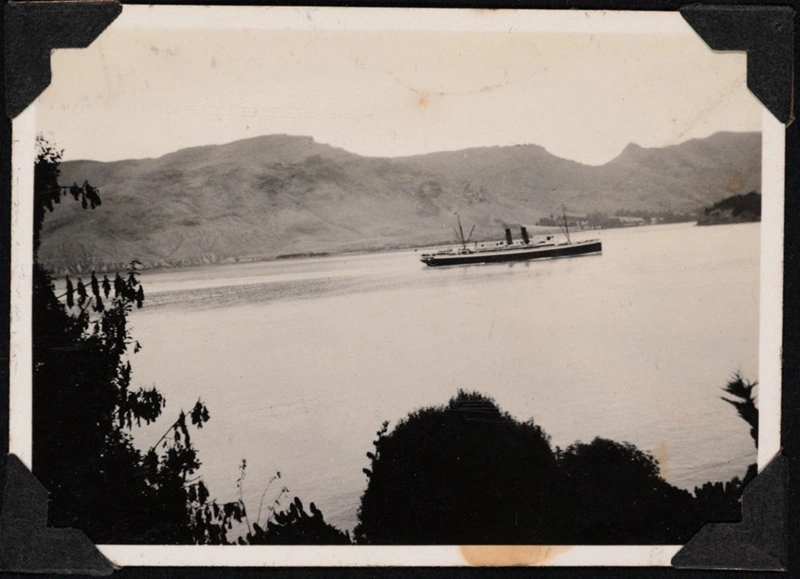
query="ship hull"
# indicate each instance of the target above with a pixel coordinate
(511, 255)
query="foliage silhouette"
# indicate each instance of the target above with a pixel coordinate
(294, 526)
(744, 401)
(84, 408)
(721, 501)
(470, 473)
(459, 474)
(614, 494)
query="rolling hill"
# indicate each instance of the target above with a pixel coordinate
(266, 196)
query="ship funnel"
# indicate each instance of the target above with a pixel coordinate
(508, 236)
(524, 233)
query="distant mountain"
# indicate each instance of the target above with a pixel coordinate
(263, 197)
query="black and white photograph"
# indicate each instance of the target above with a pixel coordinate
(359, 278)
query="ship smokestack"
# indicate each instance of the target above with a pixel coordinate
(508, 236)
(524, 233)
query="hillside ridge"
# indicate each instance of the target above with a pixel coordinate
(272, 195)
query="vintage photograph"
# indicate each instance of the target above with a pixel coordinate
(395, 277)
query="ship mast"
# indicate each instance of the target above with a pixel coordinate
(566, 224)
(461, 232)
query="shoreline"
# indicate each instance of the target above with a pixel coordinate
(209, 260)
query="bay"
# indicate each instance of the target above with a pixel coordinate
(301, 360)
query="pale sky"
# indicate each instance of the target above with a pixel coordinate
(139, 92)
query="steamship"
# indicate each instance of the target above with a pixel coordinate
(527, 248)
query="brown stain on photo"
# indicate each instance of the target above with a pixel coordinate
(736, 182)
(510, 555)
(661, 454)
(423, 101)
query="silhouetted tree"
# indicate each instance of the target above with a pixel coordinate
(294, 526)
(470, 473)
(614, 493)
(84, 408)
(744, 401)
(722, 501)
(459, 474)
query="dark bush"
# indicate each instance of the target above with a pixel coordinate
(462, 473)
(468, 473)
(613, 493)
(295, 526)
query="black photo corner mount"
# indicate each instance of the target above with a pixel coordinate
(33, 30)
(27, 544)
(759, 542)
(766, 33)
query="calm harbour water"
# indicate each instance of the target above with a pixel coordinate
(300, 361)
